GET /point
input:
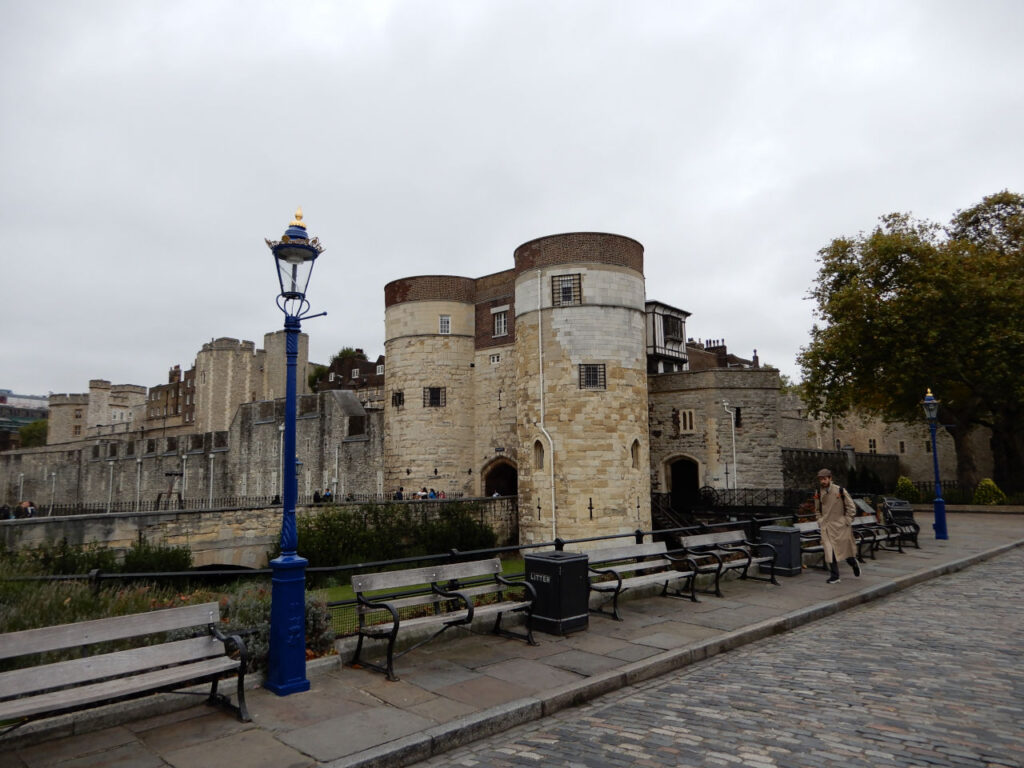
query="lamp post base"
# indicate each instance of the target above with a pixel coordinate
(940, 520)
(286, 665)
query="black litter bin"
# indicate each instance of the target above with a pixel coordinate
(786, 540)
(560, 579)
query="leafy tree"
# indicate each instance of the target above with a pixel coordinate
(346, 352)
(315, 375)
(913, 306)
(33, 435)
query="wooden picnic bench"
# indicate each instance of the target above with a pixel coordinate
(168, 663)
(724, 551)
(615, 569)
(441, 596)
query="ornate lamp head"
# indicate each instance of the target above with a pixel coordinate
(295, 253)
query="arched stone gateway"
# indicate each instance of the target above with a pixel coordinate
(501, 476)
(684, 483)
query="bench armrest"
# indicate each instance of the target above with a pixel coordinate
(765, 544)
(378, 604)
(693, 554)
(231, 640)
(607, 572)
(530, 589)
(455, 595)
(685, 559)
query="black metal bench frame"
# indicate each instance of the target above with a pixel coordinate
(47, 689)
(447, 591)
(723, 551)
(649, 564)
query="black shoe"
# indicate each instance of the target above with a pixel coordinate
(856, 569)
(832, 580)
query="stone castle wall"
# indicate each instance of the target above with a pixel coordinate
(688, 420)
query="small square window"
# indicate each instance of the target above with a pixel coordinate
(872, 445)
(76, 430)
(495, 359)
(380, 370)
(355, 373)
(565, 290)
(444, 325)
(434, 397)
(397, 398)
(903, 446)
(592, 376)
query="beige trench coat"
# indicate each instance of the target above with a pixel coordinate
(835, 517)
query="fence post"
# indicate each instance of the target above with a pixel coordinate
(639, 536)
(559, 545)
(94, 580)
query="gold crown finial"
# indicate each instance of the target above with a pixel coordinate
(297, 222)
(928, 393)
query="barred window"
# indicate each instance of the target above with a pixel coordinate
(434, 397)
(872, 445)
(444, 324)
(592, 376)
(565, 290)
(397, 398)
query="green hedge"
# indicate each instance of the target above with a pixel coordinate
(343, 536)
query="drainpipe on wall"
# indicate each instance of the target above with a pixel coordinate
(540, 424)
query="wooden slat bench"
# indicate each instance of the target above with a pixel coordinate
(616, 569)
(44, 690)
(442, 596)
(867, 532)
(874, 535)
(729, 550)
(899, 514)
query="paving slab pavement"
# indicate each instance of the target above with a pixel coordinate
(464, 687)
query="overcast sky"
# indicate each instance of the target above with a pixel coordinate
(148, 148)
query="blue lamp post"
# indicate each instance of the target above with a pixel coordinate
(931, 410)
(294, 255)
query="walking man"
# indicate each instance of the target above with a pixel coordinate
(835, 511)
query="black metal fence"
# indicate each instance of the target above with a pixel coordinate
(342, 608)
(175, 502)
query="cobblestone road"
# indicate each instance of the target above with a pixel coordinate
(933, 676)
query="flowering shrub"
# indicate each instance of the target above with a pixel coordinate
(905, 489)
(247, 611)
(988, 492)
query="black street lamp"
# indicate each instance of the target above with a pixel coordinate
(931, 411)
(294, 255)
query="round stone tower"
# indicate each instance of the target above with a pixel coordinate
(429, 327)
(581, 389)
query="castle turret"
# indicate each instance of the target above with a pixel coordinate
(581, 386)
(429, 330)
